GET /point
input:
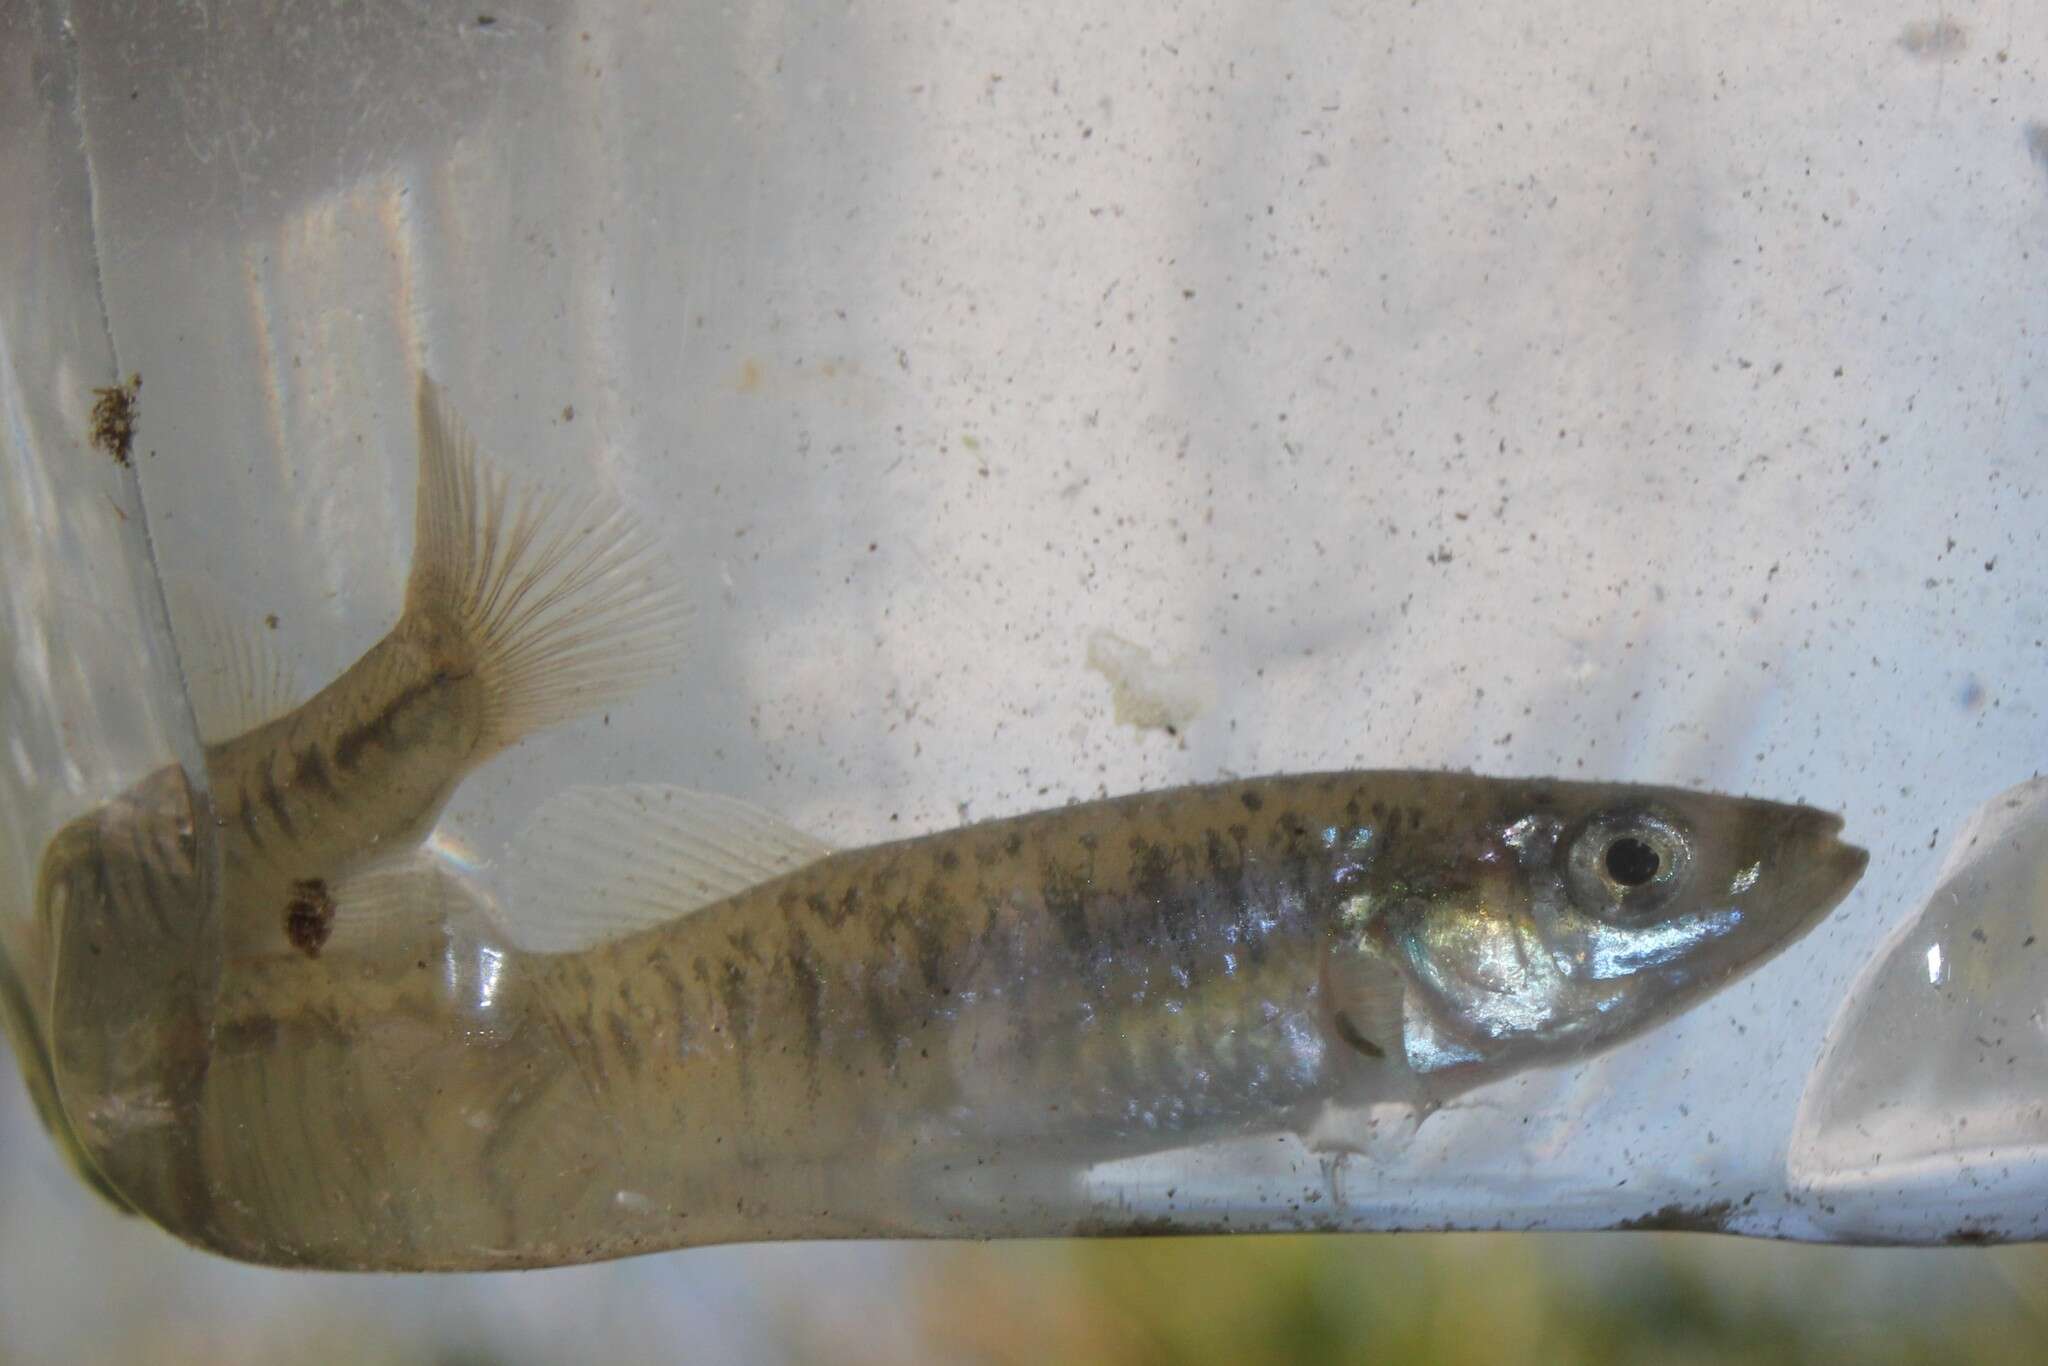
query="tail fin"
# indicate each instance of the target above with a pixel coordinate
(563, 595)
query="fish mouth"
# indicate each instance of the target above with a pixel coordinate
(1827, 824)
(1813, 872)
(1824, 868)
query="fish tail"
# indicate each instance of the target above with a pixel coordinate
(559, 600)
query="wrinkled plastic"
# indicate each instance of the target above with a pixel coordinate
(1927, 1118)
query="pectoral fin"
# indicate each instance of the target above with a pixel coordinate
(1362, 1006)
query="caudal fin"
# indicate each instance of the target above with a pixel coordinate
(562, 595)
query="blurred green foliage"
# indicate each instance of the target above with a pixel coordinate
(1637, 1298)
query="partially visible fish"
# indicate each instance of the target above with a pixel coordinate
(687, 1023)
(524, 608)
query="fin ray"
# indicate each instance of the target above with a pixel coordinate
(599, 863)
(1365, 1001)
(563, 596)
(236, 678)
(389, 905)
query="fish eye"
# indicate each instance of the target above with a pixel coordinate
(1632, 862)
(1627, 865)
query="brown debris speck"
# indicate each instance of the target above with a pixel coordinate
(309, 916)
(1678, 1218)
(114, 417)
(1141, 1226)
(1973, 1236)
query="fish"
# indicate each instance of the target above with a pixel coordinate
(668, 1018)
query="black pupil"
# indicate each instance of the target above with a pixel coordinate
(1631, 862)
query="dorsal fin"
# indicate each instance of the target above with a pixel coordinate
(600, 863)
